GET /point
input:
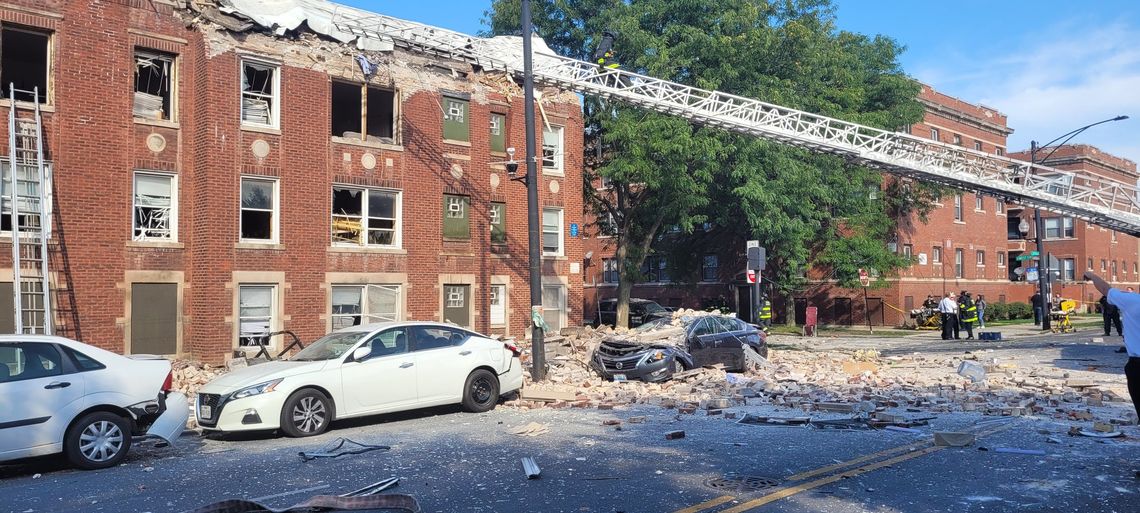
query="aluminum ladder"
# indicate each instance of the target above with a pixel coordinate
(1082, 195)
(27, 194)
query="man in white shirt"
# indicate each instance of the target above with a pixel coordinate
(948, 307)
(1129, 306)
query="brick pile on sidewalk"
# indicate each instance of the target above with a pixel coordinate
(836, 381)
(191, 375)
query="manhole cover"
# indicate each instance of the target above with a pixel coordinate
(737, 483)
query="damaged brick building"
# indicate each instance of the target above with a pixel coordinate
(219, 173)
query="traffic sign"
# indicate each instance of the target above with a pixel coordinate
(1022, 258)
(753, 276)
(1034, 253)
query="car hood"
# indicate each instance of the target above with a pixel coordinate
(254, 374)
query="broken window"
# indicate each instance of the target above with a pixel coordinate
(154, 80)
(155, 202)
(353, 305)
(554, 306)
(255, 313)
(259, 105)
(456, 222)
(552, 149)
(366, 217)
(363, 113)
(498, 223)
(498, 132)
(455, 119)
(258, 210)
(28, 217)
(24, 63)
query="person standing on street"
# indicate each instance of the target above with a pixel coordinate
(1129, 305)
(981, 304)
(949, 310)
(1037, 305)
(1111, 315)
(967, 313)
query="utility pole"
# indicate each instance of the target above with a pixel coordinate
(537, 346)
(1042, 259)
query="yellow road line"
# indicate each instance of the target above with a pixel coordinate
(707, 504)
(823, 470)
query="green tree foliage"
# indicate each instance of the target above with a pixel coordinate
(807, 209)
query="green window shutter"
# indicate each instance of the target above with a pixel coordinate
(455, 217)
(498, 133)
(498, 223)
(455, 118)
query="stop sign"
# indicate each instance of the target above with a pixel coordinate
(753, 277)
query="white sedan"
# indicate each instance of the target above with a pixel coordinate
(363, 370)
(59, 395)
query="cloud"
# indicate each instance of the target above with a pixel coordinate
(1053, 80)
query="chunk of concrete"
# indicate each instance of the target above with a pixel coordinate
(953, 439)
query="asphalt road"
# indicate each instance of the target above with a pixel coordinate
(458, 462)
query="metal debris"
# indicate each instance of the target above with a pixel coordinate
(337, 448)
(531, 468)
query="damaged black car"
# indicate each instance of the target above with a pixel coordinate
(658, 350)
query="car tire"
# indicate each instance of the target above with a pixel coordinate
(480, 391)
(678, 365)
(97, 440)
(306, 413)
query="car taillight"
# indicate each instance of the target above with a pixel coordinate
(513, 348)
(168, 383)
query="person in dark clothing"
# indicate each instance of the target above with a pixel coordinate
(604, 54)
(949, 310)
(1037, 312)
(1111, 315)
(967, 313)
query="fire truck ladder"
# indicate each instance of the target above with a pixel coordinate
(27, 195)
(1103, 202)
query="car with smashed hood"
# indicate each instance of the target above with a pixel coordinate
(657, 350)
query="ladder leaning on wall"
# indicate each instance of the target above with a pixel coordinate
(27, 196)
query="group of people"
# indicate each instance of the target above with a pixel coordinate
(960, 312)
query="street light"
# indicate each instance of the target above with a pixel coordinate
(1043, 271)
(537, 346)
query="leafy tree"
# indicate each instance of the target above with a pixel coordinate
(806, 208)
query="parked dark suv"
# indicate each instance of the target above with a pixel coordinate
(641, 311)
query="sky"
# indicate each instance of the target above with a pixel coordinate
(1051, 66)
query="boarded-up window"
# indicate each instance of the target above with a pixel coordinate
(455, 119)
(456, 222)
(498, 305)
(154, 318)
(498, 132)
(457, 304)
(498, 223)
(7, 308)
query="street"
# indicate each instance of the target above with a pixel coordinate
(454, 461)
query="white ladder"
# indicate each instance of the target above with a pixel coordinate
(1107, 203)
(27, 193)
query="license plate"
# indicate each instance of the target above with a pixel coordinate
(618, 378)
(205, 412)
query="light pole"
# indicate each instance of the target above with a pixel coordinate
(1043, 270)
(537, 346)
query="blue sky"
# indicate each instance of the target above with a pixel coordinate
(1050, 65)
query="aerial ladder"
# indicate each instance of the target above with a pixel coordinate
(27, 198)
(1107, 203)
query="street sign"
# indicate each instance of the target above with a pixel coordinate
(753, 276)
(573, 229)
(752, 244)
(1022, 258)
(1034, 253)
(864, 279)
(1031, 274)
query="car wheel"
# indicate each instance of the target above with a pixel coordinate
(678, 367)
(97, 440)
(306, 413)
(481, 391)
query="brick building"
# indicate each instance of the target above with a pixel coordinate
(213, 180)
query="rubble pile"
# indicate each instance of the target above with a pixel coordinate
(190, 375)
(838, 381)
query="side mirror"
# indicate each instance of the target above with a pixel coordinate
(361, 353)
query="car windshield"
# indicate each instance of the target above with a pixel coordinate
(329, 346)
(652, 307)
(652, 325)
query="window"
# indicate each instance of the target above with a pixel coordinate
(958, 258)
(979, 202)
(999, 206)
(258, 210)
(980, 257)
(936, 255)
(1113, 236)
(372, 222)
(1135, 268)
(29, 361)
(1090, 264)
(655, 269)
(498, 215)
(455, 119)
(456, 222)
(431, 337)
(1001, 259)
(552, 151)
(978, 145)
(363, 113)
(1061, 185)
(957, 207)
(255, 313)
(1113, 268)
(24, 62)
(908, 250)
(156, 208)
(498, 132)
(709, 268)
(999, 152)
(259, 90)
(1103, 265)
(1058, 227)
(498, 305)
(552, 231)
(1069, 269)
(82, 361)
(389, 342)
(154, 86)
(353, 305)
(610, 270)
(957, 139)
(554, 306)
(934, 134)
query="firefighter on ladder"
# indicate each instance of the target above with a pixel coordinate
(765, 314)
(604, 55)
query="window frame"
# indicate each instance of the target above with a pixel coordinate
(610, 269)
(275, 96)
(172, 215)
(977, 145)
(49, 51)
(491, 132)
(272, 320)
(1001, 259)
(172, 81)
(959, 263)
(275, 212)
(980, 258)
(365, 315)
(561, 232)
(935, 134)
(446, 214)
(979, 203)
(936, 255)
(558, 155)
(497, 292)
(958, 208)
(562, 306)
(365, 88)
(908, 250)
(501, 222)
(363, 241)
(466, 122)
(705, 267)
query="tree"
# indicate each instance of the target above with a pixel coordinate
(805, 208)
